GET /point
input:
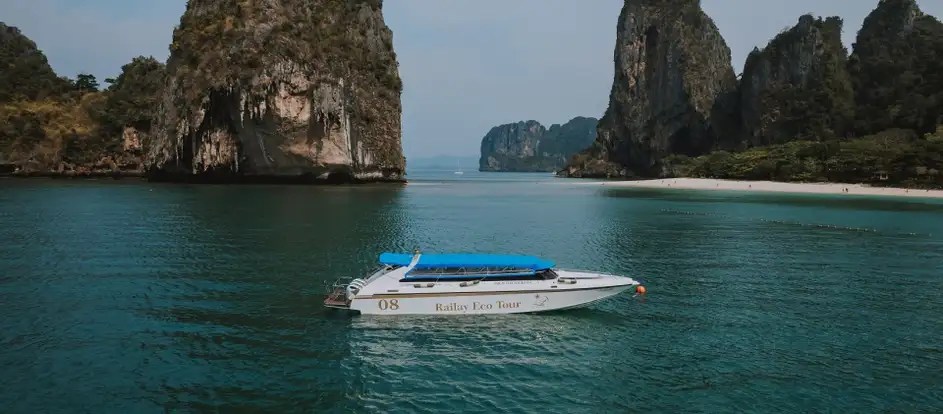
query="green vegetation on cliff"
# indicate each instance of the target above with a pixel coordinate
(797, 88)
(132, 96)
(897, 69)
(894, 157)
(52, 124)
(26, 75)
(203, 42)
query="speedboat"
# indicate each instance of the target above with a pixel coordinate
(444, 284)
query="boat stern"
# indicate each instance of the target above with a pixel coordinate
(337, 300)
(341, 294)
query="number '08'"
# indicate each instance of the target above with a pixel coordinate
(392, 304)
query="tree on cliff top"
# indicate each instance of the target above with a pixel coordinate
(132, 97)
(86, 82)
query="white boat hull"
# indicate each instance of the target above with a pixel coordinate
(472, 285)
(480, 303)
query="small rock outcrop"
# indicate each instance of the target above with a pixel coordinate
(528, 146)
(798, 86)
(674, 90)
(273, 90)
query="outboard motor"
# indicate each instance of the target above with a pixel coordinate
(353, 287)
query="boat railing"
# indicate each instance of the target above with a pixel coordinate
(342, 283)
(336, 290)
(379, 272)
(335, 285)
(595, 272)
(341, 291)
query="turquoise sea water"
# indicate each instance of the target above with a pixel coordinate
(134, 297)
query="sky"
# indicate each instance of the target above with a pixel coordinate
(466, 65)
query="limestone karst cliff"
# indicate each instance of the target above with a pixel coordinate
(280, 89)
(798, 86)
(803, 109)
(672, 74)
(896, 68)
(528, 146)
(672, 77)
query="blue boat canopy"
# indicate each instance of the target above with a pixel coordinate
(431, 261)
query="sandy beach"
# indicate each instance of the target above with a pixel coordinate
(772, 186)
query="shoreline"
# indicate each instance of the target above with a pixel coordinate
(770, 187)
(234, 180)
(116, 175)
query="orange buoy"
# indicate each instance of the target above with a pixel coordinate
(640, 289)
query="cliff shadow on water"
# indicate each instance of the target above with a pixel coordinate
(813, 214)
(300, 223)
(338, 175)
(775, 199)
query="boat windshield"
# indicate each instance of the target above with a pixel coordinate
(381, 271)
(468, 274)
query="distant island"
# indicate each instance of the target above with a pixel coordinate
(311, 98)
(528, 146)
(802, 110)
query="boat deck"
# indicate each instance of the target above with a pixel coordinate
(337, 299)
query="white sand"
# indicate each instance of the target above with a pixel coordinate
(771, 186)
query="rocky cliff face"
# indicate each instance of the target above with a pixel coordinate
(280, 89)
(802, 111)
(896, 65)
(800, 75)
(673, 92)
(528, 146)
